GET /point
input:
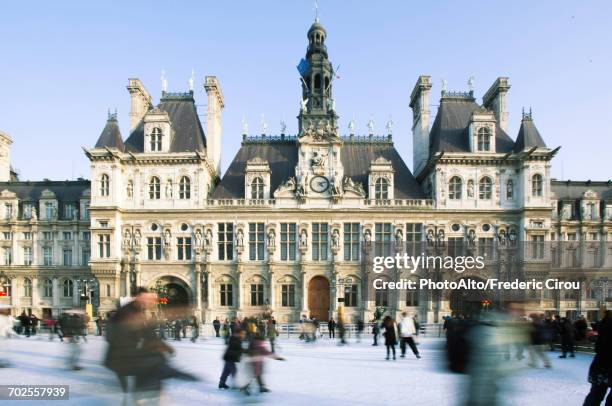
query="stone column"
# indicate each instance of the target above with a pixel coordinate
(56, 293)
(271, 297)
(239, 287)
(210, 295)
(304, 289)
(198, 289)
(35, 294)
(15, 294)
(75, 294)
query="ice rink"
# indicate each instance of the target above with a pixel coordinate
(321, 374)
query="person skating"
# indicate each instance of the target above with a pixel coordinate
(99, 325)
(407, 330)
(580, 327)
(195, 329)
(360, 328)
(331, 328)
(566, 331)
(375, 332)
(257, 352)
(72, 322)
(6, 332)
(390, 335)
(217, 326)
(231, 357)
(600, 371)
(226, 331)
(25, 321)
(538, 338)
(272, 333)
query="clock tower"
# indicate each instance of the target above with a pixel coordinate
(319, 171)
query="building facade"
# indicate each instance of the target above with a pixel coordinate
(294, 224)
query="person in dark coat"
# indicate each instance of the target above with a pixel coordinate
(375, 332)
(217, 326)
(390, 335)
(580, 326)
(331, 328)
(600, 371)
(566, 331)
(25, 321)
(232, 357)
(360, 328)
(33, 324)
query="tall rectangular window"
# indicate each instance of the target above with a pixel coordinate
(320, 241)
(226, 294)
(183, 248)
(67, 257)
(485, 248)
(47, 256)
(104, 245)
(381, 297)
(288, 238)
(47, 236)
(8, 256)
(85, 256)
(49, 211)
(67, 235)
(27, 255)
(288, 295)
(537, 246)
(28, 209)
(412, 297)
(27, 235)
(69, 211)
(225, 242)
(257, 294)
(382, 238)
(8, 211)
(154, 248)
(350, 295)
(351, 241)
(414, 238)
(256, 241)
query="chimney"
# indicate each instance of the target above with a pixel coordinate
(213, 121)
(141, 101)
(419, 102)
(495, 100)
(5, 157)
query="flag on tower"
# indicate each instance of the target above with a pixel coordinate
(303, 66)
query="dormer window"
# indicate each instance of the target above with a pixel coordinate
(257, 188)
(484, 188)
(536, 185)
(154, 188)
(454, 188)
(156, 140)
(381, 189)
(484, 139)
(184, 188)
(104, 185)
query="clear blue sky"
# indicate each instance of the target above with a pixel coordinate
(64, 63)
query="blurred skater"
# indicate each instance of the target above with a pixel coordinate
(195, 329)
(272, 333)
(73, 322)
(231, 357)
(217, 326)
(538, 336)
(375, 332)
(566, 331)
(407, 330)
(6, 332)
(360, 328)
(257, 352)
(331, 328)
(390, 335)
(600, 371)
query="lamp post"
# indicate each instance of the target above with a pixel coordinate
(84, 290)
(602, 283)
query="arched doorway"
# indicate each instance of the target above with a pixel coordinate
(174, 295)
(319, 297)
(469, 302)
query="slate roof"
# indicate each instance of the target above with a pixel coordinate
(65, 191)
(450, 130)
(188, 132)
(111, 135)
(573, 190)
(282, 157)
(528, 136)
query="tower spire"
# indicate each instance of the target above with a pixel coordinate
(316, 11)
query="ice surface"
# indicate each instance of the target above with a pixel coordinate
(321, 374)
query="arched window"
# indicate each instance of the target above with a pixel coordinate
(104, 185)
(257, 188)
(27, 287)
(48, 288)
(454, 188)
(184, 188)
(536, 185)
(317, 81)
(484, 188)
(484, 139)
(5, 286)
(510, 189)
(156, 139)
(154, 188)
(381, 189)
(68, 290)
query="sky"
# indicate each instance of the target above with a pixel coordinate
(65, 63)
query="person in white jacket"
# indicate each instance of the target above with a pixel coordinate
(6, 332)
(407, 329)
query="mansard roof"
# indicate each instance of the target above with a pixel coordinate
(111, 135)
(573, 190)
(528, 136)
(450, 130)
(282, 156)
(64, 191)
(187, 128)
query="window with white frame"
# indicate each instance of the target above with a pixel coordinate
(27, 255)
(351, 241)
(256, 241)
(85, 256)
(48, 288)
(49, 210)
(28, 209)
(184, 188)
(225, 241)
(69, 211)
(154, 188)
(382, 239)
(67, 257)
(27, 287)
(226, 291)
(104, 245)
(47, 256)
(156, 140)
(104, 185)
(288, 295)
(257, 188)
(485, 187)
(381, 189)
(320, 241)
(183, 248)
(68, 288)
(536, 185)
(288, 241)
(257, 294)
(484, 139)
(350, 295)
(454, 188)
(8, 211)
(154, 248)
(67, 235)
(27, 235)
(537, 247)
(8, 256)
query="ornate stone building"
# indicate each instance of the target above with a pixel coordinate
(293, 225)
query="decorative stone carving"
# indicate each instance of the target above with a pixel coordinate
(239, 238)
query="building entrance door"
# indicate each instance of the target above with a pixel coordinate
(318, 298)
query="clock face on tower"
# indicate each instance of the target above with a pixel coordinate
(319, 184)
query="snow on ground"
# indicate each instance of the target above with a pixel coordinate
(322, 374)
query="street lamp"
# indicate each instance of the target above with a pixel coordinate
(85, 292)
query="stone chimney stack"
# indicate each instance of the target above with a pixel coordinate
(213, 121)
(495, 100)
(419, 102)
(141, 101)
(5, 157)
